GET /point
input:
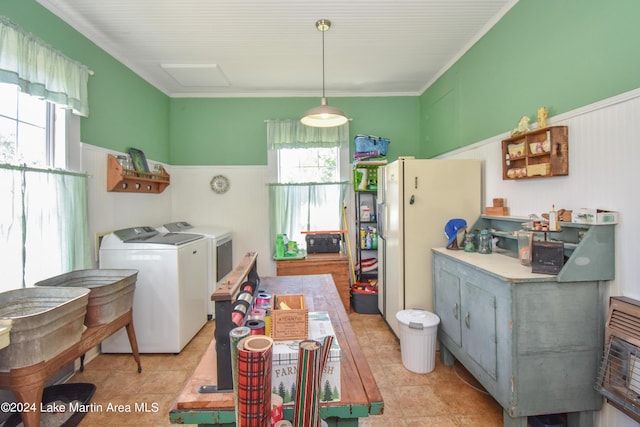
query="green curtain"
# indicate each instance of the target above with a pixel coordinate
(41, 70)
(44, 230)
(290, 133)
(305, 207)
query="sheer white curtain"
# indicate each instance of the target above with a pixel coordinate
(41, 70)
(43, 225)
(304, 206)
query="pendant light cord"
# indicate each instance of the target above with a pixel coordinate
(324, 31)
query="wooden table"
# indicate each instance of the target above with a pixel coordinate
(360, 396)
(336, 264)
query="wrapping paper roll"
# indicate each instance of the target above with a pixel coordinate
(312, 359)
(306, 412)
(257, 326)
(235, 336)
(254, 381)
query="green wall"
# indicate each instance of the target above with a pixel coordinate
(124, 110)
(558, 54)
(561, 54)
(232, 131)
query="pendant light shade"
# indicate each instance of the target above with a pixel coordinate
(323, 116)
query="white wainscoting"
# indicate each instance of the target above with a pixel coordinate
(243, 209)
(113, 211)
(604, 163)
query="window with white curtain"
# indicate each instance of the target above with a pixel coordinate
(43, 214)
(32, 131)
(308, 178)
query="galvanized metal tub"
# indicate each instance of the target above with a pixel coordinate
(45, 322)
(111, 293)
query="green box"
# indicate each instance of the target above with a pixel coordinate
(365, 177)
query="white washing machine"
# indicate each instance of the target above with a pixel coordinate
(220, 253)
(169, 303)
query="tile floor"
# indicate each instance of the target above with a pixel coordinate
(446, 397)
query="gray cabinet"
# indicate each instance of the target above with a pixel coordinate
(531, 340)
(469, 319)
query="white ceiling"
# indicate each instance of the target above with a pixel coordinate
(263, 48)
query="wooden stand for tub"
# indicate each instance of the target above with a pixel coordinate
(28, 383)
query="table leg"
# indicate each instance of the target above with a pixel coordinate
(131, 333)
(28, 384)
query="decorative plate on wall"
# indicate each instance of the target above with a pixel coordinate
(220, 184)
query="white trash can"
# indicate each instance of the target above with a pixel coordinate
(418, 336)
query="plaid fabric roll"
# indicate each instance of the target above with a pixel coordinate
(254, 381)
(235, 336)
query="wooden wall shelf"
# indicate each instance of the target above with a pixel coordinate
(124, 180)
(541, 153)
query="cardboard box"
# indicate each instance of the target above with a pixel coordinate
(594, 216)
(496, 211)
(285, 362)
(291, 324)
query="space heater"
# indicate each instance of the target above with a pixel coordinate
(619, 376)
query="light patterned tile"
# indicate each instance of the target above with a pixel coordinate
(445, 397)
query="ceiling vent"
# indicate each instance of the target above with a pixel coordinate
(207, 75)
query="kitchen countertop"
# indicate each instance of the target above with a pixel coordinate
(503, 266)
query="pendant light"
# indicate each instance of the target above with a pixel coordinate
(323, 116)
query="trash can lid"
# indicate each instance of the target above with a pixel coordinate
(417, 318)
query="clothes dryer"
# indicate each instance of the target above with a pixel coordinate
(219, 255)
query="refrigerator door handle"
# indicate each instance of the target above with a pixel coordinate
(380, 219)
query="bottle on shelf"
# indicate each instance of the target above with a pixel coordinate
(553, 219)
(374, 238)
(280, 246)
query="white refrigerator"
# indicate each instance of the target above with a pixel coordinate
(416, 198)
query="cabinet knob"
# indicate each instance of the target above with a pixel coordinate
(466, 320)
(455, 311)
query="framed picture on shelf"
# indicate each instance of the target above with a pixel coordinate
(139, 160)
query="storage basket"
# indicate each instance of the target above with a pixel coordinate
(365, 177)
(369, 143)
(291, 324)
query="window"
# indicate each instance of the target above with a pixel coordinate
(297, 165)
(32, 131)
(43, 216)
(307, 176)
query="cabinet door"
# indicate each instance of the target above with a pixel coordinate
(479, 326)
(447, 302)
